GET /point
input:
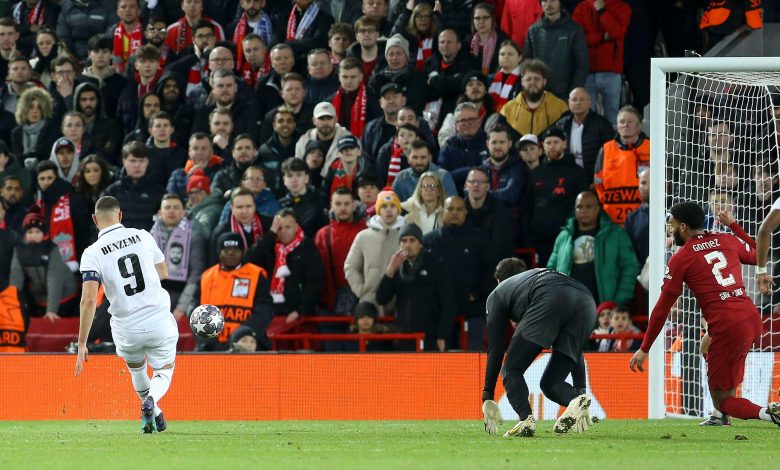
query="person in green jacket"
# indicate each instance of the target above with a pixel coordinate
(596, 252)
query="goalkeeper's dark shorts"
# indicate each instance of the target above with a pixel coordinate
(728, 351)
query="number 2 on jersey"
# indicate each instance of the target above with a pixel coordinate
(719, 263)
(135, 273)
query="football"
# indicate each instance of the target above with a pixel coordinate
(206, 321)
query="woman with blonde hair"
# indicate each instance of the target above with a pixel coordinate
(426, 206)
(418, 25)
(36, 132)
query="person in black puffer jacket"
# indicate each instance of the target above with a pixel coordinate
(80, 19)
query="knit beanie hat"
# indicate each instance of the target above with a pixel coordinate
(199, 180)
(387, 196)
(411, 230)
(397, 40)
(607, 305)
(34, 220)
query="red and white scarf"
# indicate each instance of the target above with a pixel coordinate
(196, 74)
(251, 76)
(281, 271)
(149, 87)
(295, 30)
(424, 50)
(357, 119)
(237, 227)
(500, 89)
(61, 230)
(35, 16)
(396, 154)
(488, 49)
(126, 44)
(263, 30)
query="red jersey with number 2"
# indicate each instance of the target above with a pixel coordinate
(711, 265)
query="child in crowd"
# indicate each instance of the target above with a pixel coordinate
(365, 323)
(604, 317)
(37, 270)
(620, 322)
(368, 191)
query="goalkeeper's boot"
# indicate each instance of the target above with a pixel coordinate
(524, 428)
(148, 425)
(159, 421)
(574, 412)
(717, 419)
(773, 410)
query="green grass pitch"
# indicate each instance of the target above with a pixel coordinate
(362, 445)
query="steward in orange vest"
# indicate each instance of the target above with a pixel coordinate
(618, 164)
(241, 291)
(13, 321)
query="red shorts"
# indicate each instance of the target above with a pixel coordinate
(728, 351)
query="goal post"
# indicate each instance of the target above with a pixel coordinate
(712, 132)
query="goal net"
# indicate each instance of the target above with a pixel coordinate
(714, 124)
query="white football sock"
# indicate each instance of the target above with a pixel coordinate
(141, 382)
(716, 414)
(161, 380)
(763, 415)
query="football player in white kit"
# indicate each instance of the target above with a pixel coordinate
(130, 265)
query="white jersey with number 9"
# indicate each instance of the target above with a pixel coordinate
(124, 259)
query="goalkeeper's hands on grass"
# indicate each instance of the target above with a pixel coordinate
(491, 416)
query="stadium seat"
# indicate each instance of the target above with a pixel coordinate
(47, 336)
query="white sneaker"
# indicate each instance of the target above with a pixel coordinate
(576, 411)
(525, 428)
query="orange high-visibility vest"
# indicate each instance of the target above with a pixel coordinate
(12, 328)
(616, 178)
(233, 292)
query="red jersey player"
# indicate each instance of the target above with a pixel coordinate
(710, 264)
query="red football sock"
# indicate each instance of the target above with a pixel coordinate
(739, 408)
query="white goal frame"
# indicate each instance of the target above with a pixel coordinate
(658, 141)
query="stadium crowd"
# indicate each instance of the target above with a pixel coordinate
(376, 158)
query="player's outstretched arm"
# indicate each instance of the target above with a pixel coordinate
(89, 290)
(657, 319)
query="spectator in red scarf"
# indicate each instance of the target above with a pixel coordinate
(346, 168)
(505, 83)
(293, 264)
(147, 63)
(418, 25)
(127, 33)
(350, 100)
(253, 20)
(64, 212)
(307, 28)
(485, 38)
(244, 220)
(255, 62)
(180, 33)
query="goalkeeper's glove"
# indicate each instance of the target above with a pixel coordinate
(491, 416)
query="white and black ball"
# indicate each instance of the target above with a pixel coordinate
(206, 321)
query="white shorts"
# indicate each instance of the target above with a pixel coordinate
(157, 343)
